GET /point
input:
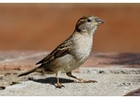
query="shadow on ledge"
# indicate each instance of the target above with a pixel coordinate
(120, 59)
(52, 80)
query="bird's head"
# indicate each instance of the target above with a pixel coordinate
(88, 24)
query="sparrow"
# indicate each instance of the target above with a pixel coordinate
(72, 52)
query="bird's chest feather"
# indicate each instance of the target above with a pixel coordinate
(83, 47)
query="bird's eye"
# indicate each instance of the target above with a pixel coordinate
(89, 20)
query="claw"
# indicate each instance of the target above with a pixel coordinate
(59, 86)
(85, 81)
(90, 81)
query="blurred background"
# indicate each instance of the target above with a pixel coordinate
(44, 26)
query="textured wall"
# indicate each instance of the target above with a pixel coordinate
(44, 26)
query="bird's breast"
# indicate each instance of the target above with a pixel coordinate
(80, 51)
(83, 47)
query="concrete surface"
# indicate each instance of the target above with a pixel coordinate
(116, 73)
(107, 85)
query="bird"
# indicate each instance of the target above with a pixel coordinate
(72, 52)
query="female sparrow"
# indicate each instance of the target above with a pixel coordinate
(71, 53)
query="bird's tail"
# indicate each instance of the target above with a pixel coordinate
(28, 72)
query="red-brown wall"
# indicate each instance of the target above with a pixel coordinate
(44, 26)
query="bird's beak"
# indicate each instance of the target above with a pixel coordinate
(98, 21)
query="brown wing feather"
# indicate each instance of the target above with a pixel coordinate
(60, 51)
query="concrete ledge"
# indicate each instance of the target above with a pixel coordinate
(25, 60)
(117, 74)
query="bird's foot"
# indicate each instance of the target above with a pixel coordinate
(89, 81)
(59, 86)
(85, 81)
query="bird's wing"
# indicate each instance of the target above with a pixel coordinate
(60, 51)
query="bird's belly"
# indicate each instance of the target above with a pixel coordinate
(70, 64)
(66, 63)
(73, 62)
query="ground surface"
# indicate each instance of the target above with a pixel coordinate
(115, 73)
(107, 85)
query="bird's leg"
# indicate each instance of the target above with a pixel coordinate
(79, 79)
(58, 85)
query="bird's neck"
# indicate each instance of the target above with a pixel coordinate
(86, 31)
